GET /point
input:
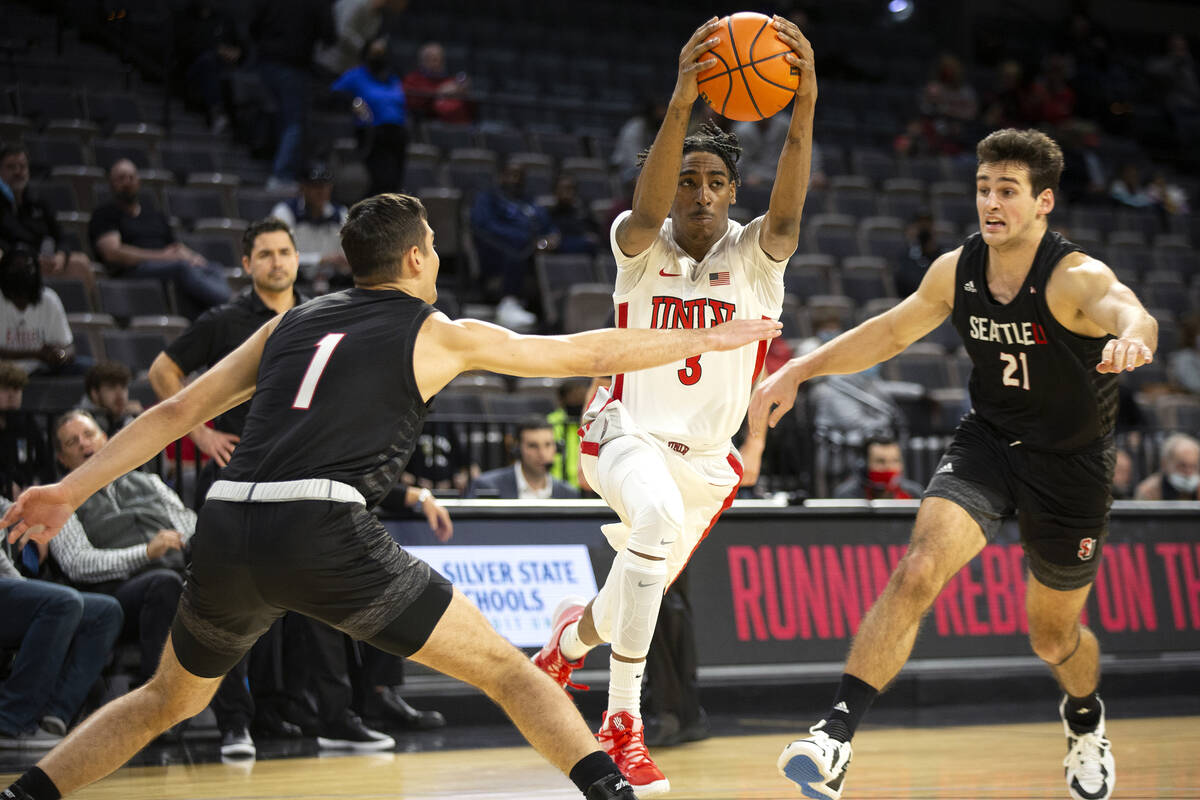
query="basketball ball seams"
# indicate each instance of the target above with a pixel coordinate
(749, 92)
(763, 90)
(729, 88)
(765, 79)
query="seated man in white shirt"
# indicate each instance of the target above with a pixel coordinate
(529, 478)
(316, 223)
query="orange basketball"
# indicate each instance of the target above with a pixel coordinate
(752, 80)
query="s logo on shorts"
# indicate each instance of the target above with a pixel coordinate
(1087, 547)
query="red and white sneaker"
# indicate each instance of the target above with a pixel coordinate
(621, 736)
(550, 659)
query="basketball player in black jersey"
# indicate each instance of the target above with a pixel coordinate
(340, 387)
(1047, 328)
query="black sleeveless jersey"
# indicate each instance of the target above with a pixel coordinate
(1031, 378)
(336, 395)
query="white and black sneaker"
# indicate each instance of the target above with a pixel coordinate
(1089, 766)
(349, 733)
(817, 765)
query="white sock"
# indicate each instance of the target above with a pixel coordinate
(625, 686)
(570, 645)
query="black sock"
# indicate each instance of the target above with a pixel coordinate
(853, 699)
(592, 768)
(35, 785)
(1083, 713)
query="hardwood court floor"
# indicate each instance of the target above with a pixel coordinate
(1156, 758)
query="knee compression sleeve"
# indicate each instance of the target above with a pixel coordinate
(639, 590)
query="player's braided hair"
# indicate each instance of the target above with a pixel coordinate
(710, 139)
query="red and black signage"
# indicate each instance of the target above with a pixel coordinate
(795, 590)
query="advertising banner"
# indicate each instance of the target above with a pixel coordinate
(516, 586)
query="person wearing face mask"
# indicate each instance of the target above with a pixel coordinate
(33, 324)
(378, 103)
(1179, 476)
(882, 474)
(529, 478)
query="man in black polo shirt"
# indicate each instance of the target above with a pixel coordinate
(136, 241)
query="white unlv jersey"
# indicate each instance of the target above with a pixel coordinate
(700, 402)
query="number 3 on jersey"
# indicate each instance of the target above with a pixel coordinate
(690, 374)
(1010, 367)
(312, 375)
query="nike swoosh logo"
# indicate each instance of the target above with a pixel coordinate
(666, 274)
(666, 541)
(644, 585)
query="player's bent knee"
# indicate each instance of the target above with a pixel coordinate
(1054, 645)
(919, 576)
(656, 527)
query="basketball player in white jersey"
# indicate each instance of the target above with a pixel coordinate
(657, 446)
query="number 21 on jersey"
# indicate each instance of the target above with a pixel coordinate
(312, 375)
(1011, 367)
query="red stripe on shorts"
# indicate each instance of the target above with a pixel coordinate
(737, 467)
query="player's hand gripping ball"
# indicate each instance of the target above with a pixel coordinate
(751, 80)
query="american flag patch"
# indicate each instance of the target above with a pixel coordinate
(718, 279)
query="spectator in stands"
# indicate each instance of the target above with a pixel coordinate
(433, 93)
(26, 218)
(849, 409)
(208, 45)
(880, 476)
(1177, 76)
(948, 101)
(636, 134)
(1085, 176)
(129, 542)
(564, 421)
(508, 230)
(377, 100)
(1123, 482)
(576, 226)
(33, 324)
(1007, 105)
(761, 143)
(1178, 477)
(947, 94)
(529, 477)
(440, 461)
(62, 640)
(286, 31)
(1183, 366)
(1130, 190)
(135, 240)
(24, 456)
(1052, 98)
(923, 247)
(316, 225)
(106, 396)
(357, 22)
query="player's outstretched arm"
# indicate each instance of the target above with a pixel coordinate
(447, 348)
(781, 229)
(655, 190)
(875, 340)
(1110, 304)
(42, 510)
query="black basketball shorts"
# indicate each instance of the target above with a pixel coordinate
(1061, 500)
(332, 561)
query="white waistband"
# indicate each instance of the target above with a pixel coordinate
(282, 491)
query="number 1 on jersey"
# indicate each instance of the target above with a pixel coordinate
(312, 375)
